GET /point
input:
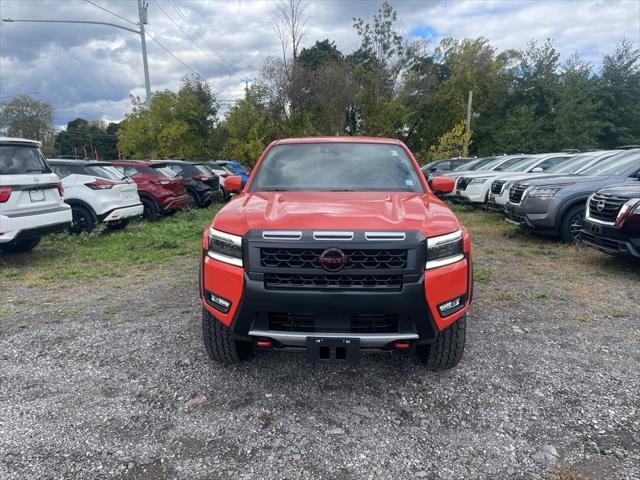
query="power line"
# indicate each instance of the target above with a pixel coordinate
(171, 53)
(112, 13)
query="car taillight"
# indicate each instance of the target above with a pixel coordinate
(60, 189)
(5, 193)
(101, 184)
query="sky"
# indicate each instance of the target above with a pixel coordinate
(89, 71)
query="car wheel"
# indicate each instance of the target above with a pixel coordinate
(572, 224)
(150, 209)
(447, 349)
(118, 225)
(195, 201)
(21, 246)
(82, 220)
(220, 343)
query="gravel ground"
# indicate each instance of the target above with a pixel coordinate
(108, 379)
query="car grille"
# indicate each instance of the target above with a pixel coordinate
(357, 322)
(516, 192)
(497, 186)
(309, 258)
(288, 280)
(463, 182)
(609, 212)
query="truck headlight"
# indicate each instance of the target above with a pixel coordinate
(444, 250)
(225, 247)
(479, 180)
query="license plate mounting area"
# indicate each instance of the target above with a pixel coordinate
(333, 350)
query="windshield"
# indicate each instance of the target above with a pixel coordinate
(499, 161)
(519, 164)
(616, 166)
(19, 159)
(577, 163)
(474, 164)
(337, 167)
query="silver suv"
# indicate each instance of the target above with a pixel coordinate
(31, 202)
(556, 205)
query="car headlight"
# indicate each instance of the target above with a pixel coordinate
(479, 180)
(636, 210)
(444, 250)
(544, 192)
(225, 247)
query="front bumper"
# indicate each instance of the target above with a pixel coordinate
(610, 240)
(475, 193)
(333, 310)
(27, 226)
(535, 214)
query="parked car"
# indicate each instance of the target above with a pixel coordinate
(31, 203)
(161, 192)
(499, 192)
(202, 185)
(612, 220)
(222, 173)
(474, 187)
(445, 165)
(556, 206)
(237, 168)
(336, 244)
(97, 193)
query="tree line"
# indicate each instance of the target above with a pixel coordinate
(523, 100)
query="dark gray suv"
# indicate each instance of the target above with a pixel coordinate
(555, 206)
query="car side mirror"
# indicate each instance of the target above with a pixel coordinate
(442, 184)
(537, 170)
(233, 184)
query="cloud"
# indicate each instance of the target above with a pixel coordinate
(89, 71)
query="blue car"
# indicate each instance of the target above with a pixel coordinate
(237, 168)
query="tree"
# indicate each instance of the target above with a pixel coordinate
(82, 136)
(290, 23)
(451, 144)
(27, 117)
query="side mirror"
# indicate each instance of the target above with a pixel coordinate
(442, 184)
(537, 170)
(233, 184)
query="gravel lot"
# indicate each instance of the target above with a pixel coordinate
(104, 378)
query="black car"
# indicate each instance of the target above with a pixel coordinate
(203, 186)
(445, 165)
(612, 220)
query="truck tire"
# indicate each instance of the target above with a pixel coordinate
(21, 246)
(150, 209)
(446, 351)
(219, 341)
(572, 223)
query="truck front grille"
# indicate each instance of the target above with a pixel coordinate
(609, 207)
(355, 323)
(343, 281)
(309, 258)
(516, 192)
(497, 186)
(463, 182)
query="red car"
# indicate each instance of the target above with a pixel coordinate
(336, 245)
(160, 192)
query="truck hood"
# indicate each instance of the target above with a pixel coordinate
(336, 211)
(565, 179)
(627, 190)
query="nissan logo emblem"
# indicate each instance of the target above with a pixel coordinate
(333, 259)
(600, 205)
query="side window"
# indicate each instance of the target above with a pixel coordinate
(60, 171)
(551, 162)
(175, 168)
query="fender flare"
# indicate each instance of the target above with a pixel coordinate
(75, 201)
(569, 204)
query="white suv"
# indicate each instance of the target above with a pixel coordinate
(97, 192)
(31, 202)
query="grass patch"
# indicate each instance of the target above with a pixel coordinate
(507, 296)
(140, 246)
(542, 296)
(565, 472)
(482, 275)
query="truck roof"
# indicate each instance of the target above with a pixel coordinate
(337, 139)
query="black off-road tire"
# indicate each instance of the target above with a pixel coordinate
(22, 246)
(220, 344)
(150, 210)
(446, 352)
(569, 224)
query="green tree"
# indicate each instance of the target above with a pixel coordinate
(93, 137)
(453, 143)
(28, 117)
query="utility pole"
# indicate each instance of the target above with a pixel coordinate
(142, 12)
(469, 106)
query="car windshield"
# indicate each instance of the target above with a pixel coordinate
(20, 159)
(499, 161)
(574, 164)
(618, 165)
(519, 164)
(337, 167)
(474, 164)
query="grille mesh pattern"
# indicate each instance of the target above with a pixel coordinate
(463, 183)
(516, 192)
(309, 258)
(609, 212)
(497, 186)
(358, 322)
(286, 280)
